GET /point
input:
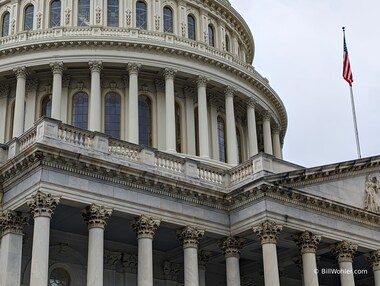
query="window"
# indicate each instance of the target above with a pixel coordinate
(221, 139)
(168, 20)
(83, 12)
(178, 128)
(28, 18)
(141, 15)
(55, 13)
(59, 277)
(145, 120)
(211, 38)
(80, 110)
(113, 13)
(5, 25)
(191, 27)
(112, 115)
(46, 106)
(227, 43)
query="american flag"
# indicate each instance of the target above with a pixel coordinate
(347, 74)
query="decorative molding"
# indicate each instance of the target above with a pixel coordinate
(43, 204)
(145, 226)
(307, 242)
(190, 236)
(129, 262)
(128, 17)
(67, 16)
(372, 187)
(96, 216)
(157, 22)
(231, 246)
(267, 231)
(345, 251)
(98, 15)
(12, 222)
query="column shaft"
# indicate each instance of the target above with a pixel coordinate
(18, 117)
(276, 144)
(191, 266)
(267, 135)
(309, 265)
(347, 275)
(145, 262)
(233, 271)
(133, 110)
(10, 259)
(203, 119)
(190, 124)
(95, 257)
(170, 110)
(232, 156)
(202, 277)
(376, 275)
(95, 122)
(271, 274)
(56, 99)
(252, 131)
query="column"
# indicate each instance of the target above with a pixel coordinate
(42, 206)
(161, 114)
(375, 262)
(268, 232)
(276, 141)
(19, 113)
(232, 156)
(133, 107)
(204, 151)
(231, 247)
(96, 218)
(214, 127)
(170, 110)
(4, 92)
(56, 98)
(252, 131)
(65, 98)
(145, 226)
(95, 118)
(190, 237)
(190, 122)
(203, 258)
(345, 251)
(267, 133)
(307, 243)
(30, 102)
(11, 225)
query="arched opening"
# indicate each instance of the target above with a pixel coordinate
(83, 12)
(112, 114)
(168, 19)
(211, 36)
(55, 13)
(227, 43)
(5, 24)
(191, 33)
(145, 120)
(28, 17)
(113, 13)
(80, 110)
(59, 277)
(141, 15)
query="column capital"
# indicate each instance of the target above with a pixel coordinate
(4, 90)
(169, 73)
(190, 236)
(12, 222)
(251, 102)
(229, 91)
(95, 66)
(43, 204)
(96, 216)
(57, 67)
(267, 231)
(202, 81)
(160, 85)
(66, 80)
(267, 115)
(203, 258)
(21, 72)
(189, 91)
(374, 259)
(231, 246)
(345, 251)
(145, 226)
(133, 68)
(276, 129)
(307, 242)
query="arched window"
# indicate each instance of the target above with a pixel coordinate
(178, 136)
(112, 115)
(113, 13)
(227, 43)
(28, 18)
(211, 36)
(5, 25)
(46, 106)
(145, 120)
(55, 13)
(141, 15)
(83, 12)
(196, 122)
(59, 277)
(168, 20)
(80, 110)
(221, 139)
(191, 27)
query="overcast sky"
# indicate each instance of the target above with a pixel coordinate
(298, 47)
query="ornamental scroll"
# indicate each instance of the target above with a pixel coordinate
(372, 187)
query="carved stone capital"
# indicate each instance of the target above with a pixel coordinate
(267, 231)
(4, 90)
(251, 102)
(21, 72)
(345, 251)
(231, 246)
(202, 81)
(96, 216)
(190, 236)
(189, 92)
(307, 242)
(229, 91)
(66, 81)
(57, 67)
(374, 259)
(133, 68)
(32, 85)
(125, 79)
(267, 115)
(145, 226)
(276, 129)
(12, 222)
(169, 73)
(43, 204)
(203, 258)
(160, 85)
(95, 66)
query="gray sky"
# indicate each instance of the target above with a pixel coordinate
(299, 48)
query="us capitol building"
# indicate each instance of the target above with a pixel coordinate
(140, 147)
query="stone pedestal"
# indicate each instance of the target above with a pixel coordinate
(345, 251)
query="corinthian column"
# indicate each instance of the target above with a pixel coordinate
(11, 225)
(145, 226)
(133, 109)
(252, 130)
(232, 156)
(268, 148)
(308, 242)
(42, 207)
(231, 247)
(203, 118)
(203, 258)
(56, 99)
(190, 237)
(345, 251)
(268, 232)
(170, 110)
(19, 112)
(95, 123)
(96, 218)
(375, 262)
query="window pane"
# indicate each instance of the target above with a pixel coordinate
(29, 13)
(211, 41)
(191, 27)
(112, 114)
(83, 12)
(221, 140)
(145, 130)
(113, 13)
(141, 15)
(46, 106)
(55, 13)
(168, 20)
(5, 29)
(80, 110)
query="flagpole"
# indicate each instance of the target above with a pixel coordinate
(355, 123)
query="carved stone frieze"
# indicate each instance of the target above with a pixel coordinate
(96, 216)
(190, 236)
(267, 231)
(43, 204)
(145, 226)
